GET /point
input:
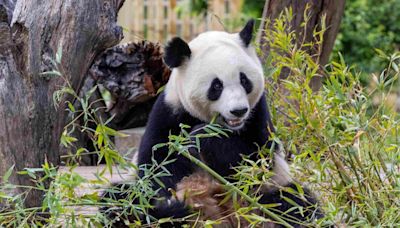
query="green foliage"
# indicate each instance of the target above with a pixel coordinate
(368, 25)
(195, 7)
(198, 7)
(344, 146)
(253, 8)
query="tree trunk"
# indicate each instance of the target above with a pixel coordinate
(333, 9)
(30, 126)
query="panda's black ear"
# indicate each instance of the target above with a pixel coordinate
(247, 32)
(175, 52)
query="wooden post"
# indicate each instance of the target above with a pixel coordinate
(150, 20)
(139, 20)
(172, 19)
(159, 22)
(185, 26)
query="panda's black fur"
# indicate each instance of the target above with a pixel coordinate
(219, 153)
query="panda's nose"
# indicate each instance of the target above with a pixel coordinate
(239, 112)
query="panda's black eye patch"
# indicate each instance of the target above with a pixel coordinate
(246, 83)
(215, 90)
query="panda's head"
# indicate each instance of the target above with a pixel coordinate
(216, 73)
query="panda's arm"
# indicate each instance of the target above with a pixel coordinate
(259, 126)
(163, 121)
(223, 153)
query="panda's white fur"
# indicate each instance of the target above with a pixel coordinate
(222, 55)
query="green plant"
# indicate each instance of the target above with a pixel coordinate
(341, 144)
(368, 25)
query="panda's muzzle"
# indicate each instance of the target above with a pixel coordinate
(235, 119)
(239, 112)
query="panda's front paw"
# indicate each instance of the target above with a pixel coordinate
(205, 131)
(198, 129)
(204, 142)
(197, 133)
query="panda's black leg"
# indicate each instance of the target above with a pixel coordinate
(295, 208)
(296, 203)
(175, 210)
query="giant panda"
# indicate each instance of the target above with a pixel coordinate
(217, 73)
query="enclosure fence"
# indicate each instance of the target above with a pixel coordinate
(159, 20)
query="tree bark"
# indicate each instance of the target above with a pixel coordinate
(132, 73)
(333, 9)
(6, 10)
(30, 126)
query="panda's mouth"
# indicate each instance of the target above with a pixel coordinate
(234, 124)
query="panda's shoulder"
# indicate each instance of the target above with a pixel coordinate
(166, 113)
